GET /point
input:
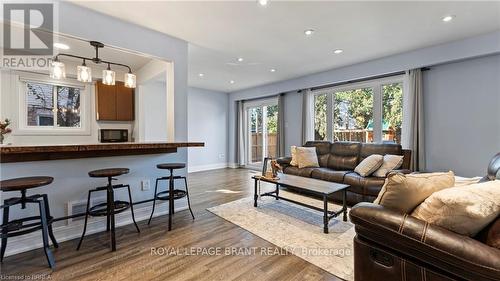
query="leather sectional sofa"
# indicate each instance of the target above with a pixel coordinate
(337, 161)
(390, 246)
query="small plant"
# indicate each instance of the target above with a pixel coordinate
(4, 129)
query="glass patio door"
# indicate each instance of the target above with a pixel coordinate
(262, 132)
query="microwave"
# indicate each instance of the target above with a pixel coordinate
(113, 135)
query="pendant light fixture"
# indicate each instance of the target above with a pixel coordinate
(84, 73)
(108, 76)
(57, 69)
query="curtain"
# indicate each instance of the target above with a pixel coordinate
(240, 134)
(307, 116)
(280, 142)
(413, 122)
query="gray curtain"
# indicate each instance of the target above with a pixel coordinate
(415, 128)
(240, 134)
(280, 143)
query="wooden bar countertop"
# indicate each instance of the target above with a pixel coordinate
(23, 153)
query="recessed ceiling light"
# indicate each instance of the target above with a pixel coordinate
(448, 18)
(201, 74)
(338, 51)
(263, 2)
(240, 59)
(231, 82)
(61, 46)
(309, 32)
(272, 70)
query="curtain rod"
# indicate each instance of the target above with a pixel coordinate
(359, 80)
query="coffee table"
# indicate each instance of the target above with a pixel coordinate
(314, 186)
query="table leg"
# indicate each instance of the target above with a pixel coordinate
(255, 195)
(325, 215)
(277, 191)
(344, 204)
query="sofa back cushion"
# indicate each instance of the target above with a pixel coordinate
(368, 149)
(344, 156)
(322, 150)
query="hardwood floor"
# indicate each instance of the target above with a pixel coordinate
(148, 255)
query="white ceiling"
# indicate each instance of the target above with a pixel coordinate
(273, 36)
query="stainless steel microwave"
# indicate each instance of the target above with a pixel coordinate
(113, 135)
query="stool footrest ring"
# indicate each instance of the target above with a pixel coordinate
(101, 209)
(177, 194)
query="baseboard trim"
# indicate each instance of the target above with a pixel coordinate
(74, 230)
(192, 169)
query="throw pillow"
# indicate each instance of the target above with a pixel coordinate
(465, 209)
(391, 162)
(306, 157)
(461, 181)
(369, 165)
(403, 193)
(293, 151)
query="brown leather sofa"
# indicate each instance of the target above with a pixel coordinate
(337, 161)
(390, 246)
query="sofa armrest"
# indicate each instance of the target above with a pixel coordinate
(460, 255)
(284, 161)
(402, 171)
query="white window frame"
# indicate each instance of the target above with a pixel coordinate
(22, 128)
(376, 85)
(248, 105)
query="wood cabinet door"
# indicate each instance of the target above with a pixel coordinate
(105, 102)
(124, 103)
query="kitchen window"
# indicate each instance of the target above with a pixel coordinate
(48, 107)
(371, 111)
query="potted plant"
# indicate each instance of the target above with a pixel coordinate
(4, 129)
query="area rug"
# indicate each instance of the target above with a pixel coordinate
(296, 229)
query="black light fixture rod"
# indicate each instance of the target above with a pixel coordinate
(91, 59)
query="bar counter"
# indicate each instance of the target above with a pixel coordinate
(24, 153)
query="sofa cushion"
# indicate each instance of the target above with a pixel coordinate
(369, 165)
(306, 157)
(368, 149)
(296, 171)
(403, 193)
(322, 150)
(465, 209)
(344, 156)
(329, 175)
(364, 185)
(391, 162)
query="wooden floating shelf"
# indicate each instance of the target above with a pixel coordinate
(24, 153)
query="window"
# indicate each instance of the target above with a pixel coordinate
(50, 105)
(366, 112)
(262, 124)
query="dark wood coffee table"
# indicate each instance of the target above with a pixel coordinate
(314, 186)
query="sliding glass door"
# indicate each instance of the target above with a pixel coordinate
(262, 124)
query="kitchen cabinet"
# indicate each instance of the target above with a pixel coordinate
(114, 103)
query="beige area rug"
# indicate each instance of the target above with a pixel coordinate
(296, 229)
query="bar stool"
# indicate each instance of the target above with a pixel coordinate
(111, 207)
(171, 194)
(28, 224)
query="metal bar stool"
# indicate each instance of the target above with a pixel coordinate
(171, 194)
(111, 207)
(28, 224)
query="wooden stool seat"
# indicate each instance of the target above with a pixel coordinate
(18, 184)
(171, 166)
(106, 173)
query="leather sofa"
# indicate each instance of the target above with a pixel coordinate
(337, 161)
(392, 246)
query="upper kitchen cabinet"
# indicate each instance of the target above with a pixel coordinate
(114, 103)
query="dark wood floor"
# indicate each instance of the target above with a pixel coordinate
(133, 259)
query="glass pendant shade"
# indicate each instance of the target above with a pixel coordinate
(130, 80)
(108, 77)
(57, 70)
(84, 73)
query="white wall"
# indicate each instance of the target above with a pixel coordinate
(462, 115)
(207, 121)
(153, 96)
(454, 51)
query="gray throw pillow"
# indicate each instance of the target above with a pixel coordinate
(369, 165)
